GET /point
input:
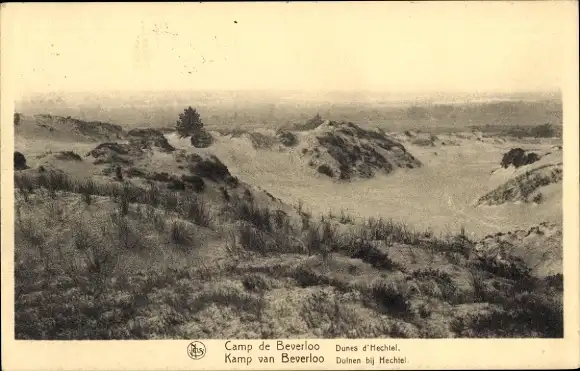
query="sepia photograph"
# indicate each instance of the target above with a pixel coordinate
(287, 171)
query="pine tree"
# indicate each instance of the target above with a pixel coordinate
(189, 123)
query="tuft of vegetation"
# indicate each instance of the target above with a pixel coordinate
(197, 211)
(310, 124)
(195, 181)
(179, 233)
(68, 156)
(390, 298)
(326, 170)
(19, 161)
(211, 168)
(518, 157)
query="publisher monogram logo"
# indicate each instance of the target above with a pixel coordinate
(196, 350)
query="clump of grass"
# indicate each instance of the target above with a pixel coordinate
(87, 189)
(153, 195)
(328, 313)
(124, 200)
(195, 181)
(197, 211)
(250, 212)
(390, 298)
(225, 194)
(523, 315)
(253, 239)
(346, 218)
(170, 201)
(33, 233)
(120, 230)
(443, 280)
(118, 174)
(100, 260)
(55, 211)
(356, 247)
(255, 282)
(307, 278)
(380, 229)
(179, 233)
(230, 297)
(321, 239)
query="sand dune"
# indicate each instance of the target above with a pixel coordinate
(246, 239)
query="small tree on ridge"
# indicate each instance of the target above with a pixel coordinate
(189, 123)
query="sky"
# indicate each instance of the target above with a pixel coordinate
(394, 46)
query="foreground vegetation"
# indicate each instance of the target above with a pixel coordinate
(116, 260)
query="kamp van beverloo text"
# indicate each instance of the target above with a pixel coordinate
(308, 352)
(288, 352)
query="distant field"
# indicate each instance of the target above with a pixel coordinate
(232, 111)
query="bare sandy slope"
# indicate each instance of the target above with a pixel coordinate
(441, 195)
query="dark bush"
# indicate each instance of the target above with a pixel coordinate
(160, 177)
(134, 172)
(518, 158)
(311, 124)
(118, 173)
(225, 194)
(390, 299)
(287, 138)
(543, 131)
(325, 169)
(68, 155)
(176, 185)
(196, 182)
(232, 181)
(212, 169)
(19, 161)
(201, 139)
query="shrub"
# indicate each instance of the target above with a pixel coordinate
(389, 297)
(538, 198)
(321, 239)
(253, 214)
(543, 131)
(311, 124)
(196, 182)
(19, 161)
(518, 158)
(359, 248)
(232, 181)
(526, 314)
(252, 239)
(197, 211)
(160, 177)
(379, 229)
(179, 234)
(176, 185)
(212, 169)
(201, 139)
(87, 189)
(68, 155)
(326, 170)
(118, 173)
(135, 172)
(225, 194)
(287, 138)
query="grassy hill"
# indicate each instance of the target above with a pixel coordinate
(136, 242)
